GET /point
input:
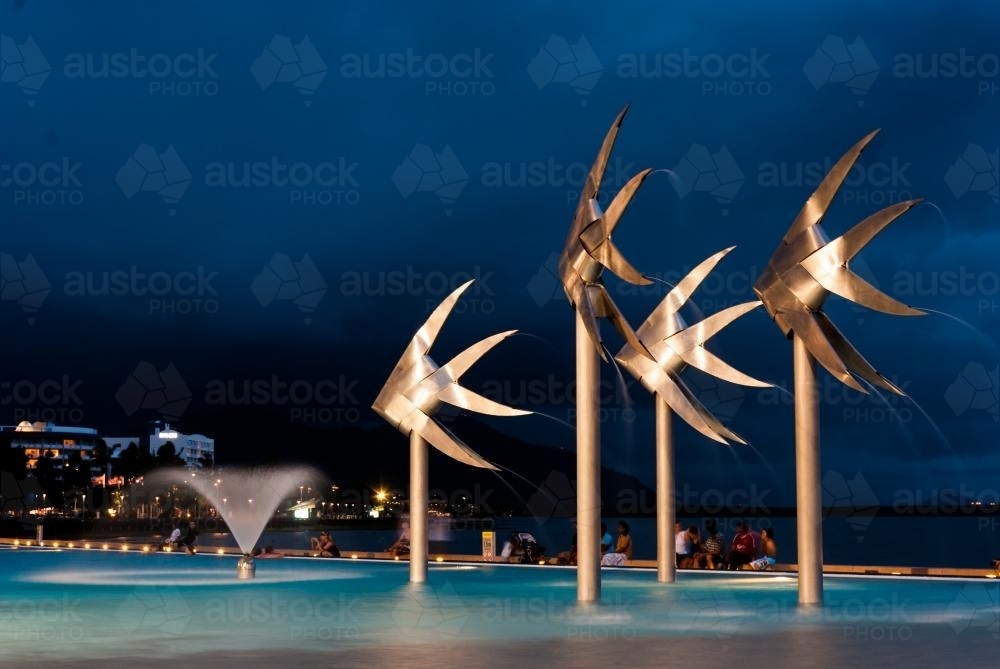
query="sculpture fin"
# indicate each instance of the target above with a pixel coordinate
(701, 358)
(464, 398)
(855, 361)
(586, 312)
(596, 238)
(461, 363)
(700, 332)
(592, 187)
(855, 239)
(610, 311)
(805, 325)
(442, 439)
(714, 423)
(684, 404)
(661, 319)
(829, 265)
(814, 209)
(623, 198)
(428, 332)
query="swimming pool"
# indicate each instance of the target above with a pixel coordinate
(77, 606)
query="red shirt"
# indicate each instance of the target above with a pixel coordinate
(744, 543)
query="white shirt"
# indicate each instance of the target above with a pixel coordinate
(684, 546)
(174, 536)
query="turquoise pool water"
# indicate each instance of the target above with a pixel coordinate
(76, 605)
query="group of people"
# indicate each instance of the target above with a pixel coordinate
(614, 550)
(176, 541)
(694, 549)
(746, 550)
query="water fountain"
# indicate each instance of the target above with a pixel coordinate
(245, 498)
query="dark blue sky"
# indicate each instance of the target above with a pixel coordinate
(780, 121)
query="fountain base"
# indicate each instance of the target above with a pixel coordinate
(246, 568)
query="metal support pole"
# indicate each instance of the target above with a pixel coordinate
(419, 492)
(808, 494)
(666, 549)
(588, 468)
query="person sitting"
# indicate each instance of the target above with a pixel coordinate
(623, 548)
(325, 545)
(521, 547)
(606, 540)
(743, 548)
(267, 553)
(511, 548)
(190, 538)
(710, 554)
(402, 545)
(569, 557)
(687, 546)
(770, 548)
(174, 540)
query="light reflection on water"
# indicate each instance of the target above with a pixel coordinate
(159, 605)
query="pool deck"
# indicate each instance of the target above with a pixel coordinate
(862, 570)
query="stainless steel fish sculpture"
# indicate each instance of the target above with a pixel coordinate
(675, 345)
(807, 267)
(417, 387)
(589, 250)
